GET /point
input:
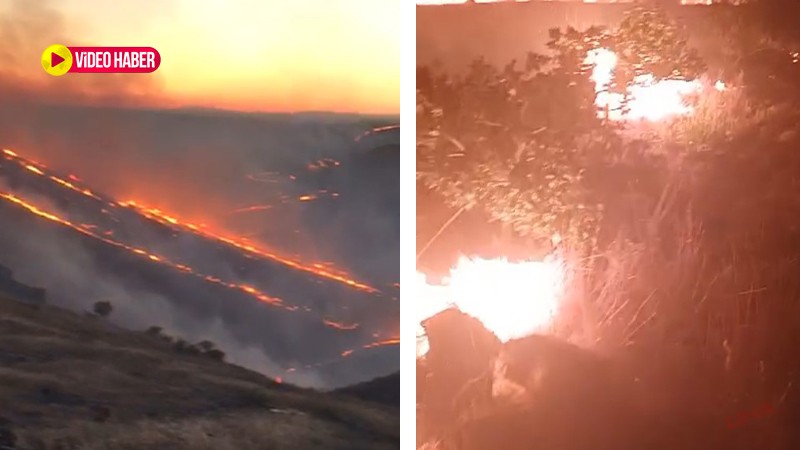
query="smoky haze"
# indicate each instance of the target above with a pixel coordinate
(27, 27)
(240, 174)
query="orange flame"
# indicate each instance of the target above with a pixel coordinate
(329, 272)
(383, 343)
(242, 244)
(34, 169)
(511, 299)
(377, 130)
(252, 208)
(648, 98)
(138, 251)
(340, 326)
(321, 269)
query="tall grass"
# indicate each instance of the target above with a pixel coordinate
(700, 293)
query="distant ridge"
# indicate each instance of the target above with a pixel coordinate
(18, 291)
(384, 390)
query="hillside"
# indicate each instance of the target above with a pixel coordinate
(71, 381)
(297, 205)
(384, 390)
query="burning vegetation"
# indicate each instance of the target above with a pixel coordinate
(606, 242)
(105, 229)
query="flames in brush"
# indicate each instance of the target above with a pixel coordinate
(647, 98)
(517, 299)
(321, 270)
(511, 299)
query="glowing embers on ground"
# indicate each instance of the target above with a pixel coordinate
(648, 98)
(511, 299)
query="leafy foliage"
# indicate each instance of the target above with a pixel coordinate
(648, 42)
(518, 142)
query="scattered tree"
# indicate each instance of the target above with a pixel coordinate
(206, 345)
(217, 354)
(103, 309)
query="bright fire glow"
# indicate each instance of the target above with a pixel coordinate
(648, 99)
(511, 299)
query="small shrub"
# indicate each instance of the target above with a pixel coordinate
(103, 309)
(181, 346)
(206, 346)
(219, 355)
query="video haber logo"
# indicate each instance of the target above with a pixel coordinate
(58, 60)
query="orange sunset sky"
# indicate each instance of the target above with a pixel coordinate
(252, 55)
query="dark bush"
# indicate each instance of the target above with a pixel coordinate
(219, 355)
(103, 308)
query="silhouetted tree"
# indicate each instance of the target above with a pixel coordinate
(219, 355)
(206, 345)
(103, 309)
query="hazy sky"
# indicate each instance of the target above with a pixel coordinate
(340, 55)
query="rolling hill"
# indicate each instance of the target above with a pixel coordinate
(76, 381)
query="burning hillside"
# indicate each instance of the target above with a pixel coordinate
(316, 313)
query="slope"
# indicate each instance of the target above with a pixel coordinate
(75, 381)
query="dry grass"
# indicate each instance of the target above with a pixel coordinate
(281, 430)
(718, 116)
(58, 369)
(701, 298)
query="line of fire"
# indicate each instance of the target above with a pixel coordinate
(144, 233)
(607, 239)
